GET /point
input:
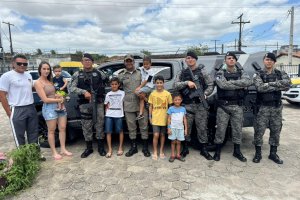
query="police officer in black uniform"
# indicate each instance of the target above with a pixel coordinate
(185, 83)
(89, 84)
(269, 83)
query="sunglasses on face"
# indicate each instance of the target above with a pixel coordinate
(20, 64)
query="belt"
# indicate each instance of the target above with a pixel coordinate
(271, 103)
(193, 101)
(228, 103)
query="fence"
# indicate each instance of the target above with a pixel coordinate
(291, 70)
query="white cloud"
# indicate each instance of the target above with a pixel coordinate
(116, 26)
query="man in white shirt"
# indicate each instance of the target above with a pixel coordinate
(17, 101)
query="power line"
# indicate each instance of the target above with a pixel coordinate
(138, 4)
(241, 22)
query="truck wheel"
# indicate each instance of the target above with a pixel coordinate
(43, 133)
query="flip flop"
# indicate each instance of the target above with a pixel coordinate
(120, 153)
(171, 159)
(57, 157)
(108, 155)
(66, 153)
(154, 157)
(162, 156)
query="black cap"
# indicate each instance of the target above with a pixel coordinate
(229, 53)
(89, 56)
(192, 54)
(271, 56)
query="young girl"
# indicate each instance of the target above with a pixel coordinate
(177, 126)
(114, 115)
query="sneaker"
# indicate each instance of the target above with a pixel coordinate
(139, 117)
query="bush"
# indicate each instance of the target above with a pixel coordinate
(21, 172)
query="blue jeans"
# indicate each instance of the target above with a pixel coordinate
(113, 122)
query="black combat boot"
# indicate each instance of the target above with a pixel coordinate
(132, 150)
(185, 150)
(145, 148)
(273, 156)
(217, 155)
(257, 156)
(238, 154)
(205, 153)
(88, 150)
(101, 149)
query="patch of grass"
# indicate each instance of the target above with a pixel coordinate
(23, 171)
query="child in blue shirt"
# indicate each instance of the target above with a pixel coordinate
(177, 127)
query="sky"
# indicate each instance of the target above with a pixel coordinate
(116, 27)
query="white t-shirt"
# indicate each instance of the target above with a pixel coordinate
(145, 75)
(115, 101)
(18, 87)
(177, 114)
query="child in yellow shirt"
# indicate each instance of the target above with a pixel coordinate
(159, 101)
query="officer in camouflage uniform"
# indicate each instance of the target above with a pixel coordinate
(194, 107)
(131, 79)
(82, 84)
(269, 83)
(231, 81)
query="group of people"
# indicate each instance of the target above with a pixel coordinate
(139, 95)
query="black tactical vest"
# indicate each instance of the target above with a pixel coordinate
(85, 79)
(231, 95)
(274, 96)
(186, 76)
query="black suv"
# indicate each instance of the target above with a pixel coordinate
(169, 68)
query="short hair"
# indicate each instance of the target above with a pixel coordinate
(115, 79)
(160, 78)
(147, 58)
(56, 67)
(176, 94)
(19, 56)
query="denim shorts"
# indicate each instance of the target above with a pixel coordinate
(49, 112)
(113, 123)
(177, 134)
(159, 129)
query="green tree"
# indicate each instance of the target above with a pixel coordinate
(39, 52)
(79, 53)
(53, 52)
(147, 53)
(199, 50)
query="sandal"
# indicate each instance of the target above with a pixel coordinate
(180, 158)
(120, 153)
(57, 157)
(108, 155)
(171, 159)
(162, 156)
(66, 153)
(154, 156)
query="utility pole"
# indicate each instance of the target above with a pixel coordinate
(222, 49)
(290, 53)
(11, 48)
(240, 34)
(215, 44)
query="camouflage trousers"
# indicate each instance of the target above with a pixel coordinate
(86, 111)
(268, 116)
(197, 113)
(132, 126)
(234, 113)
